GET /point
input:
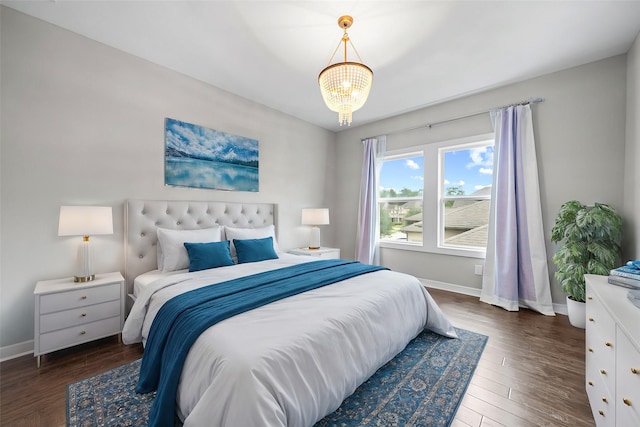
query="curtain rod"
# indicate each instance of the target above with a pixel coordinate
(466, 116)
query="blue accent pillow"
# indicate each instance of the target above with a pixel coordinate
(208, 255)
(254, 250)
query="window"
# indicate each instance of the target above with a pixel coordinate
(465, 196)
(436, 197)
(401, 188)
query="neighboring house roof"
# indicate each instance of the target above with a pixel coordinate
(468, 216)
(415, 217)
(475, 237)
(416, 227)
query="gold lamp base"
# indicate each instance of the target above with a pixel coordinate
(78, 279)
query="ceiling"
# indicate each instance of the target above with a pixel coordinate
(421, 52)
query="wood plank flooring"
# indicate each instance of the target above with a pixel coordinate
(531, 372)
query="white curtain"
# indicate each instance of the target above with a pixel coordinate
(516, 272)
(368, 233)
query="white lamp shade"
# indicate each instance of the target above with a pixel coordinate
(85, 220)
(315, 216)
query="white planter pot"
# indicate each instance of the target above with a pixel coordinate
(577, 313)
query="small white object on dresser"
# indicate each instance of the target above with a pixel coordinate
(326, 253)
(612, 354)
(68, 313)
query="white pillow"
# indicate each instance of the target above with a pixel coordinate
(250, 233)
(172, 255)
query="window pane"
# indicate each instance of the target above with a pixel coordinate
(466, 222)
(466, 191)
(467, 171)
(401, 221)
(401, 189)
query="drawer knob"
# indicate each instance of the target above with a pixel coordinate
(603, 372)
(590, 319)
(591, 383)
(626, 401)
(635, 371)
(83, 297)
(601, 412)
(83, 332)
(589, 298)
(590, 350)
(84, 315)
(608, 344)
(604, 399)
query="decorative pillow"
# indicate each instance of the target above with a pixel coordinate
(208, 255)
(172, 254)
(254, 250)
(233, 233)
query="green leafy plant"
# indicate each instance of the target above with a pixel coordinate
(590, 237)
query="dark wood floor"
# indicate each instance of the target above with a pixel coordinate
(531, 372)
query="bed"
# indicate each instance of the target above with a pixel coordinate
(287, 363)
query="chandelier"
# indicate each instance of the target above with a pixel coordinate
(345, 86)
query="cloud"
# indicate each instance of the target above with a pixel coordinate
(485, 171)
(446, 182)
(418, 177)
(481, 156)
(411, 164)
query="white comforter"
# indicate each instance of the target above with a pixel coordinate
(294, 361)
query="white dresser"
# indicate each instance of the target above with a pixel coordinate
(68, 313)
(612, 354)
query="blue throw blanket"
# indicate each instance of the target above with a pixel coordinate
(182, 319)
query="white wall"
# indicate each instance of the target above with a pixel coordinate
(580, 144)
(632, 155)
(83, 123)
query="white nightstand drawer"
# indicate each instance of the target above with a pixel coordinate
(50, 303)
(78, 316)
(323, 253)
(79, 334)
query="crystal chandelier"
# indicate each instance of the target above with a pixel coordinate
(345, 86)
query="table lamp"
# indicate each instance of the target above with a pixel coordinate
(85, 221)
(315, 217)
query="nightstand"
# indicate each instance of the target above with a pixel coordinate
(326, 253)
(69, 313)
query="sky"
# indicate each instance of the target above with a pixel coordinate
(469, 168)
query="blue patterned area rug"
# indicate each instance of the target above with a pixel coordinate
(422, 386)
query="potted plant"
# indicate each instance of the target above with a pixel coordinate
(590, 237)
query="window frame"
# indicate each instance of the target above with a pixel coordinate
(432, 199)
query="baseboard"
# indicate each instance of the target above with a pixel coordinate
(16, 350)
(458, 289)
(475, 292)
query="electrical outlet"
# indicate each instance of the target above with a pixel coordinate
(478, 270)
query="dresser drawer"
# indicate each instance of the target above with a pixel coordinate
(602, 401)
(628, 381)
(60, 301)
(78, 316)
(600, 342)
(79, 334)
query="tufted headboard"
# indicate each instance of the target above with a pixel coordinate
(142, 217)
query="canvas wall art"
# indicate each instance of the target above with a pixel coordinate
(196, 156)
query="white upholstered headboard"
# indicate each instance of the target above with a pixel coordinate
(142, 217)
